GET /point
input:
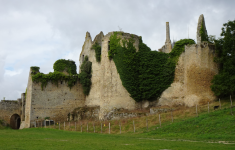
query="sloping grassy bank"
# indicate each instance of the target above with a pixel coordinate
(217, 125)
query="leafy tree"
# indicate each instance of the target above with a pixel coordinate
(224, 83)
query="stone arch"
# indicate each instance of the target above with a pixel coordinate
(15, 121)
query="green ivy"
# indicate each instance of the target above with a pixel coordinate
(65, 65)
(71, 79)
(85, 75)
(204, 36)
(34, 69)
(54, 77)
(145, 74)
(97, 49)
(114, 44)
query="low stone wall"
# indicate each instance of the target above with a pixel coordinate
(9, 108)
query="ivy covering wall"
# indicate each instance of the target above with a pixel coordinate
(204, 36)
(71, 79)
(65, 65)
(145, 74)
(85, 76)
(97, 49)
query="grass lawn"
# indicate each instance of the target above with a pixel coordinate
(217, 125)
(214, 130)
(41, 138)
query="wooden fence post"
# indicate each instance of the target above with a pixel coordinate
(81, 127)
(146, 123)
(75, 126)
(64, 125)
(231, 105)
(94, 127)
(208, 108)
(41, 124)
(231, 100)
(54, 124)
(45, 123)
(160, 119)
(86, 126)
(109, 127)
(120, 126)
(219, 103)
(49, 124)
(101, 127)
(134, 125)
(69, 125)
(59, 125)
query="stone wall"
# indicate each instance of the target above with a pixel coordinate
(9, 108)
(107, 90)
(113, 94)
(93, 99)
(193, 75)
(54, 102)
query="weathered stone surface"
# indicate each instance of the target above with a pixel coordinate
(112, 92)
(108, 99)
(54, 102)
(201, 21)
(193, 75)
(9, 108)
(167, 47)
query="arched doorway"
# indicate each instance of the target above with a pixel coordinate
(15, 121)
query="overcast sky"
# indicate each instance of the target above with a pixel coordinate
(39, 32)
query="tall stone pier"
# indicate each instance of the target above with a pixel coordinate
(167, 47)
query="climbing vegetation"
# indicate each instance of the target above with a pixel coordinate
(204, 36)
(85, 75)
(71, 79)
(34, 69)
(97, 49)
(145, 74)
(65, 65)
(57, 76)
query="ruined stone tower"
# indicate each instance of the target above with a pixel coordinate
(168, 40)
(201, 21)
(167, 47)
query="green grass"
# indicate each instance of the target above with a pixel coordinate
(186, 132)
(41, 138)
(217, 125)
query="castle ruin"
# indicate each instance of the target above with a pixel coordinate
(191, 86)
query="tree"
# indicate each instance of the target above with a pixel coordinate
(224, 83)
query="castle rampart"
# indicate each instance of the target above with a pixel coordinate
(193, 74)
(7, 109)
(53, 101)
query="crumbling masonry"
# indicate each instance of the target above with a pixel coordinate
(191, 86)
